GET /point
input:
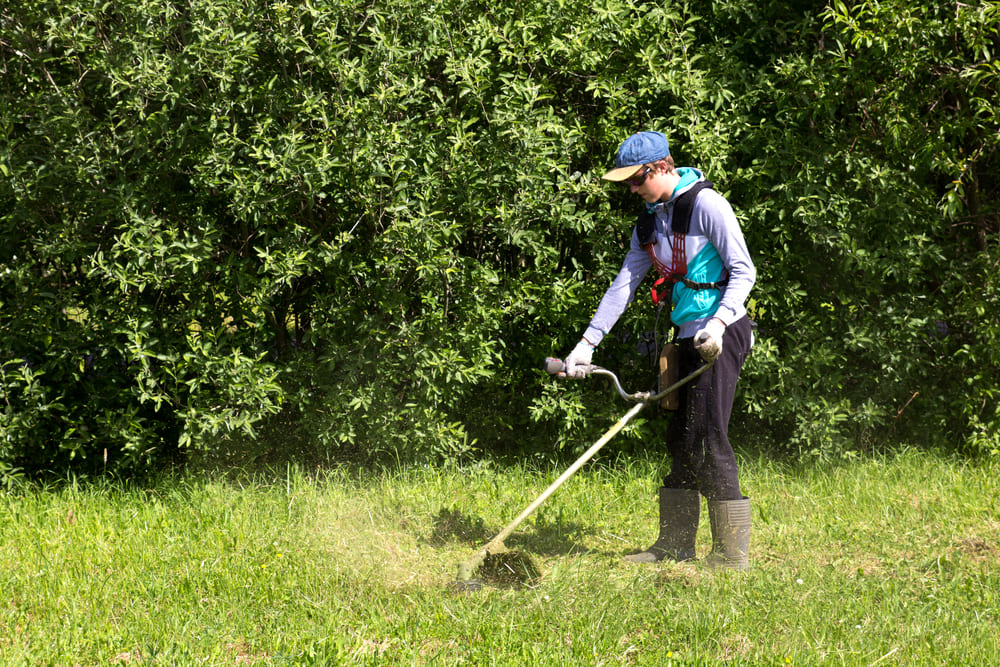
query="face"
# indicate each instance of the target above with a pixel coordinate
(653, 183)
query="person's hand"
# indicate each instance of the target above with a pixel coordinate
(578, 361)
(708, 341)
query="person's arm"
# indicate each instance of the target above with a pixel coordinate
(719, 225)
(620, 294)
(614, 302)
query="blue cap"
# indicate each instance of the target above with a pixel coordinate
(639, 149)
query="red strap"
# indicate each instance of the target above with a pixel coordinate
(677, 269)
(661, 268)
(657, 296)
(678, 258)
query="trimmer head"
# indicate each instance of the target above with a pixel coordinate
(510, 569)
(504, 568)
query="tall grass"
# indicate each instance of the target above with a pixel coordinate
(885, 561)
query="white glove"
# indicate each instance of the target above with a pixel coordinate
(708, 341)
(578, 361)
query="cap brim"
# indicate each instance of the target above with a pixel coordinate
(621, 173)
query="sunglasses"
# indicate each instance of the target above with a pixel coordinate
(639, 178)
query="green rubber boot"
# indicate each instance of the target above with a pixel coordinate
(730, 521)
(679, 511)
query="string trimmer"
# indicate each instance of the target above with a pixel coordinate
(495, 550)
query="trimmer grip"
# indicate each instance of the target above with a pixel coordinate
(554, 366)
(557, 367)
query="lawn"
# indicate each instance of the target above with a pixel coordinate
(883, 561)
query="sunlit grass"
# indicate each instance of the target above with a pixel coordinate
(886, 561)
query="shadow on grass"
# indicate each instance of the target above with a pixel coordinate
(541, 537)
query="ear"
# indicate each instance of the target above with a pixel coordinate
(661, 167)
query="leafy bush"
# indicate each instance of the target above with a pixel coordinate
(379, 218)
(884, 155)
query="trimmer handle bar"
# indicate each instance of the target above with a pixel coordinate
(557, 367)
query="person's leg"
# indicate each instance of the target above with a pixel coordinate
(730, 523)
(702, 458)
(679, 513)
(701, 455)
(718, 476)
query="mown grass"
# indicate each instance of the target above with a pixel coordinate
(887, 561)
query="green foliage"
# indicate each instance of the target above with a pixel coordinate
(377, 219)
(883, 158)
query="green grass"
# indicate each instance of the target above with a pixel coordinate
(882, 562)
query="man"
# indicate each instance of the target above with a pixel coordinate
(711, 274)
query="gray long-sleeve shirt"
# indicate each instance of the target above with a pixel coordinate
(714, 244)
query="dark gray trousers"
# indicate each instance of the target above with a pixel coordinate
(702, 458)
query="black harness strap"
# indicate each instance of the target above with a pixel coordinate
(644, 229)
(681, 221)
(719, 284)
